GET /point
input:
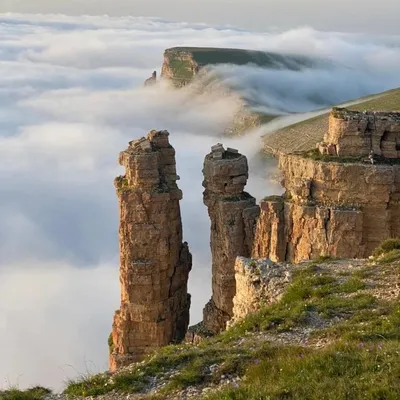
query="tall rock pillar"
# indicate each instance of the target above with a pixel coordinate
(154, 263)
(233, 214)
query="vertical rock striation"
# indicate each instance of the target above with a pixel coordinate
(233, 213)
(154, 263)
(338, 202)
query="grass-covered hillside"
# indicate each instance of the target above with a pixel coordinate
(304, 135)
(335, 334)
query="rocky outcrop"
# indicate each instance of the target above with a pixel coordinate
(152, 80)
(304, 135)
(233, 213)
(357, 134)
(179, 66)
(258, 282)
(154, 263)
(342, 209)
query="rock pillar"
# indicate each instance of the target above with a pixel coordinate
(154, 263)
(152, 80)
(233, 213)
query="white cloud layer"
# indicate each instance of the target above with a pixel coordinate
(71, 97)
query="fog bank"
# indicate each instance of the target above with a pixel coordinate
(72, 97)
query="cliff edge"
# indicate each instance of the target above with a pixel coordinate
(182, 64)
(342, 198)
(304, 135)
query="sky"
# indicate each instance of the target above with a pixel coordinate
(71, 98)
(339, 15)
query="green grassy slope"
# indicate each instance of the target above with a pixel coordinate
(304, 135)
(334, 335)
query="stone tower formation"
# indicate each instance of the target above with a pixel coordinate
(342, 208)
(154, 262)
(233, 213)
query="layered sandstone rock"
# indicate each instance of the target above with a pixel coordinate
(354, 133)
(331, 207)
(154, 263)
(233, 213)
(257, 282)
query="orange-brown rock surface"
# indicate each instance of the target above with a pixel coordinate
(154, 263)
(233, 213)
(334, 207)
(354, 133)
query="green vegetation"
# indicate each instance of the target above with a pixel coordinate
(389, 257)
(191, 362)
(387, 246)
(211, 56)
(388, 251)
(359, 358)
(110, 343)
(315, 155)
(97, 385)
(34, 393)
(121, 183)
(340, 371)
(181, 68)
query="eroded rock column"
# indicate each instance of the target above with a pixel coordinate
(233, 213)
(154, 263)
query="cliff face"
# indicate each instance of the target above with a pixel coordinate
(232, 212)
(342, 209)
(154, 263)
(355, 134)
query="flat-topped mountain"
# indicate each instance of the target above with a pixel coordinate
(181, 64)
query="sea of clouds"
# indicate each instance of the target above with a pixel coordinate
(71, 97)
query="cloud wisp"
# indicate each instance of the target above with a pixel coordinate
(71, 97)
